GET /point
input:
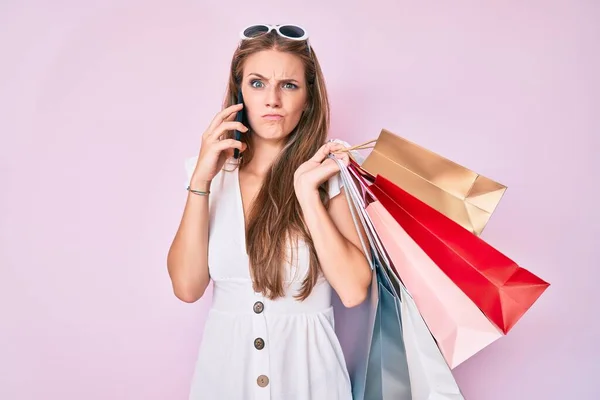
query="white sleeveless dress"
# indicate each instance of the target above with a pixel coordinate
(254, 348)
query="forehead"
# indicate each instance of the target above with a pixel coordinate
(275, 64)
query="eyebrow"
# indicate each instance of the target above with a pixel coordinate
(265, 78)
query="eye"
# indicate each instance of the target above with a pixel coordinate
(290, 85)
(255, 83)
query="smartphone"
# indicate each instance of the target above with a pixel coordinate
(240, 117)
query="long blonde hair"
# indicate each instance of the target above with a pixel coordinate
(275, 219)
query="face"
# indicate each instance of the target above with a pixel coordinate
(275, 94)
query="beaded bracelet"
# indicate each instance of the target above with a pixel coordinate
(198, 192)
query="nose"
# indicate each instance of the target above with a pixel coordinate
(273, 97)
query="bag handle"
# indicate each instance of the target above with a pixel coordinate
(354, 199)
(353, 204)
(362, 146)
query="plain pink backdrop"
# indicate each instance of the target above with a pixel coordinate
(101, 102)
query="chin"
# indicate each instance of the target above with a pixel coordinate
(271, 134)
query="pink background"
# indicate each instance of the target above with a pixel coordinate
(100, 102)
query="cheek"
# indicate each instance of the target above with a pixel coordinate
(295, 117)
(252, 110)
(295, 113)
(298, 107)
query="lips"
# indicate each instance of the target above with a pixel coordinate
(273, 117)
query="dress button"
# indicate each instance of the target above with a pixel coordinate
(259, 307)
(262, 380)
(259, 343)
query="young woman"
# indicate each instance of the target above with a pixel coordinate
(272, 230)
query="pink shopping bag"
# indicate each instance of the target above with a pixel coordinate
(458, 325)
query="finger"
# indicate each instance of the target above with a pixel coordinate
(227, 126)
(227, 113)
(335, 146)
(322, 153)
(331, 166)
(324, 171)
(325, 150)
(230, 117)
(343, 156)
(211, 129)
(230, 144)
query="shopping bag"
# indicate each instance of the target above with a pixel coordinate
(503, 290)
(354, 328)
(388, 371)
(461, 194)
(383, 374)
(459, 327)
(429, 375)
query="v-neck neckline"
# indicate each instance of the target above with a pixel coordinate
(240, 203)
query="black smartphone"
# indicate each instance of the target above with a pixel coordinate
(240, 117)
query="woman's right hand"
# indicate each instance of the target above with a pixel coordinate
(215, 150)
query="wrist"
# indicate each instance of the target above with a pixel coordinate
(307, 196)
(200, 184)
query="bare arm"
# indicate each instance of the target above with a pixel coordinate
(187, 261)
(333, 232)
(338, 247)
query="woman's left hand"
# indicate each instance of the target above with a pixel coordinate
(311, 174)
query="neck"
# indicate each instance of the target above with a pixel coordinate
(265, 153)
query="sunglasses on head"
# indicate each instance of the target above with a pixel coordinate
(292, 32)
(288, 31)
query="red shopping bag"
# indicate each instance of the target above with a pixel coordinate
(503, 290)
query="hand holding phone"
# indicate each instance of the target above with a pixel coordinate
(215, 150)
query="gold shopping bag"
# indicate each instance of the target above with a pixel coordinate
(462, 195)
